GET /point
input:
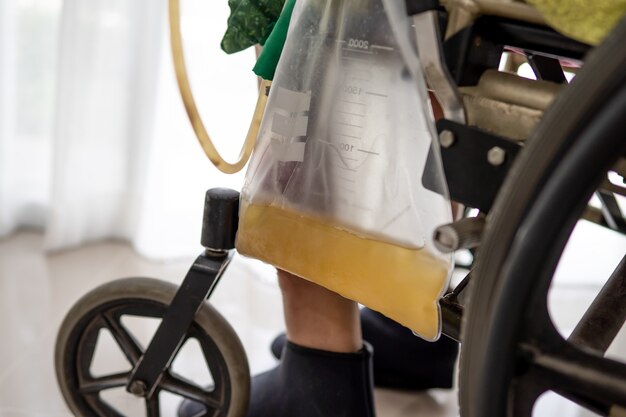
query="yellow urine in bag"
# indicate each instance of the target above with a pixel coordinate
(403, 284)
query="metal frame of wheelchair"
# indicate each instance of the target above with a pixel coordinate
(476, 161)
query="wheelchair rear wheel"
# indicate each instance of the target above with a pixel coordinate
(512, 352)
(103, 309)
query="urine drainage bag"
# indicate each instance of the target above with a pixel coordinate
(333, 192)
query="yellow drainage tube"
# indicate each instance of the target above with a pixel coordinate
(192, 110)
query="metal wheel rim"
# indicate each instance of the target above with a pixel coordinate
(87, 388)
(542, 356)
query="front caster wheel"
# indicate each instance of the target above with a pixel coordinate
(103, 309)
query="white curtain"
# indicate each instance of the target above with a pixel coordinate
(105, 101)
(24, 94)
(94, 142)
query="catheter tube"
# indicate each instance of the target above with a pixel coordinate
(192, 110)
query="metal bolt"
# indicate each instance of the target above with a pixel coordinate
(446, 139)
(138, 388)
(496, 156)
(446, 239)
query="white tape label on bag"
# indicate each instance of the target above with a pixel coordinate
(287, 152)
(290, 122)
(289, 127)
(292, 101)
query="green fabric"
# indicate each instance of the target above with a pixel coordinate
(586, 20)
(268, 60)
(250, 22)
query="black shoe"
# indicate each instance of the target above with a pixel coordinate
(403, 361)
(310, 383)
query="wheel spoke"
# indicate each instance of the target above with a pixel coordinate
(152, 405)
(212, 359)
(523, 394)
(606, 315)
(575, 373)
(105, 382)
(179, 386)
(130, 347)
(86, 351)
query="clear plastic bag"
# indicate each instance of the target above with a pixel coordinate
(334, 189)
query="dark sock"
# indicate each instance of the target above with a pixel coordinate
(403, 360)
(310, 383)
(315, 383)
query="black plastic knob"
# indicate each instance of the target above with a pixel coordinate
(220, 220)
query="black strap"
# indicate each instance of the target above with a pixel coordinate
(414, 7)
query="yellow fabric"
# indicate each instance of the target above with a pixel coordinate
(586, 20)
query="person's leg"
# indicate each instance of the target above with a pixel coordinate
(325, 368)
(318, 318)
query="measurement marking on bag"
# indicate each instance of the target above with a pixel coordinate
(345, 147)
(386, 48)
(358, 43)
(349, 136)
(352, 89)
(352, 102)
(349, 124)
(348, 180)
(369, 152)
(371, 93)
(351, 114)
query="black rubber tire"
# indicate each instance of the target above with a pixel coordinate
(495, 312)
(160, 293)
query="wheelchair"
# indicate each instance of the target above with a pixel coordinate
(528, 154)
